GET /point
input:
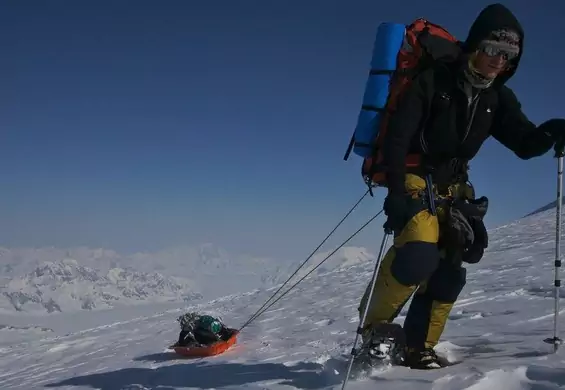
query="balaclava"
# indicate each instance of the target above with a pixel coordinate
(499, 41)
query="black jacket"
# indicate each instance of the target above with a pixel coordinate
(438, 117)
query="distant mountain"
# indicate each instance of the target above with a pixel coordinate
(344, 258)
(52, 279)
(66, 285)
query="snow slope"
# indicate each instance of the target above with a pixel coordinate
(497, 328)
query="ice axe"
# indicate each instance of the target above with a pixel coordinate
(559, 154)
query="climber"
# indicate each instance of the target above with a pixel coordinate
(445, 115)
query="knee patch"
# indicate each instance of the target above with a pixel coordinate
(389, 296)
(447, 282)
(415, 262)
(417, 255)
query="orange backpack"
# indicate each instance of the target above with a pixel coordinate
(424, 43)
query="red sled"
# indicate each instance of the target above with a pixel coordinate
(208, 350)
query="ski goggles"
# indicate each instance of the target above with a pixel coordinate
(493, 49)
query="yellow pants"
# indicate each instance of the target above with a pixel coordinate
(414, 265)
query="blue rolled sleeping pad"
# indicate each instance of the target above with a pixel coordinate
(387, 44)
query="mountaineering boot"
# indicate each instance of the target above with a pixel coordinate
(422, 359)
(382, 343)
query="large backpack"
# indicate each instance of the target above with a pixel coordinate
(200, 329)
(411, 49)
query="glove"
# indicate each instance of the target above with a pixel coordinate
(555, 128)
(396, 209)
(464, 235)
(475, 253)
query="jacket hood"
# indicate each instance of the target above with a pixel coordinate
(491, 18)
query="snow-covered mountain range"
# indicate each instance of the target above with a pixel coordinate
(67, 285)
(55, 280)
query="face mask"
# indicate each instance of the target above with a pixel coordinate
(475, 78)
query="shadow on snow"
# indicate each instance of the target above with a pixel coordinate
(206, 376)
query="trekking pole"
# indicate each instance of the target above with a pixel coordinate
(259, 311)
(315, 268)
(559, 153)
(366, 308)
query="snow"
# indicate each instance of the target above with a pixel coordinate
(495, 332)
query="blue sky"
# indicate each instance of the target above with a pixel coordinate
(138, 125)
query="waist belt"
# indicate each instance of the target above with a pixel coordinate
(447, 173)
